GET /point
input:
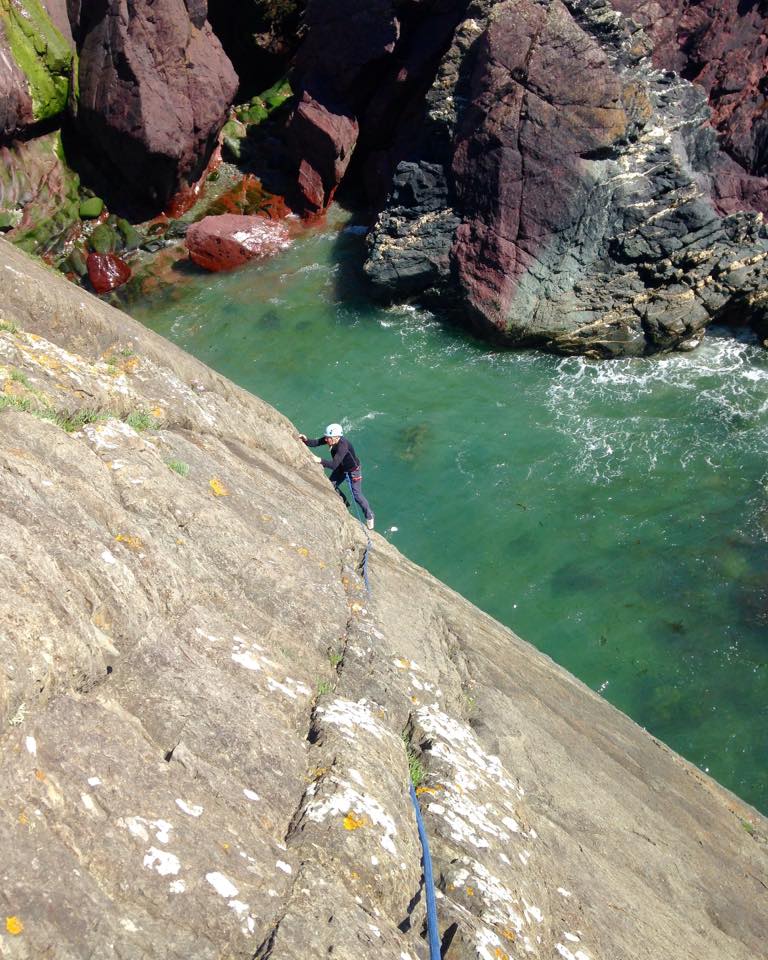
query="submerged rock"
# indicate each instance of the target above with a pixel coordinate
(154, 90)
(203, 713)
(107, 271)
(228, 241)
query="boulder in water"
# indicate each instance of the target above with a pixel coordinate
(229, 241)
(106, 271)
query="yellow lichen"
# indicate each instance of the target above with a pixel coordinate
(23, 819)
(351, 822)
(219, 490)
(39, 775)
(508, 934)
(133, 543)
(303, 552)
(14, 926)
(157, 412)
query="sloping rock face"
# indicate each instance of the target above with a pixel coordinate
(154, 89)
(722, 46)
(562, 195)
(204, 719)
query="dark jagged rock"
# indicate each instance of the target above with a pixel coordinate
(260, 37)
(107, 271)
(562, 194)
(154, 88)
(360, 72)
(723, 46)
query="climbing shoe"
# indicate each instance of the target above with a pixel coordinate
(369, 523)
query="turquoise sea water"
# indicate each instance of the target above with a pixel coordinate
(614, 514)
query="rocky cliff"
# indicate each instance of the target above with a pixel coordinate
(562, 192)
(206, 725)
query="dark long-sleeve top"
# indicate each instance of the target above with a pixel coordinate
(344, 459)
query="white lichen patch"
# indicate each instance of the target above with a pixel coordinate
(285, 867)
(141, 828)
(108, 557)
(222, 885)
(251, 795)
(31, 744)
(88, 803)
(351, 717)
(346, 800)
(191, 809)
(290, 688)
(249, 655)
(129, 925)
(108, 435)
(163, 861)
(94, 782)
(566, 954)
(177, 886)
(487, 944)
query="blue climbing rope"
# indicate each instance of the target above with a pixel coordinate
(361, 518)
(429, 883)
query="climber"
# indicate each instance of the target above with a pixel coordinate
(344, 463)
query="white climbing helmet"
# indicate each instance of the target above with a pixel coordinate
(333, 430)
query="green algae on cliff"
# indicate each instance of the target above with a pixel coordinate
(42, 52)
(39, 193)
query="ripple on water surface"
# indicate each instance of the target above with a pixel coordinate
(613, 514)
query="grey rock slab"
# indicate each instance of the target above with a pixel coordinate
(206, 722)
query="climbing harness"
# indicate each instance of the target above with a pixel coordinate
(361, 518)
(429, 883)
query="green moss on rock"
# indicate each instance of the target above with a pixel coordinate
(104, 239)
(91, 208)
(42, 192)
(41, 52)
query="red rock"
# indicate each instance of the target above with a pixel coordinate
(107, 271)
(518, 156)
(189, 194)
(228, 241)
(323, 142)
(154, 90)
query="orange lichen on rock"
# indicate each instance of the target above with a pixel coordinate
(130, 541)
(352, 822)
(14, 926)
(219, 490)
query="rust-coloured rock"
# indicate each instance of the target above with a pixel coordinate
(106, 271)
(228, 241)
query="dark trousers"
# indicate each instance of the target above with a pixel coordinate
(357, 492)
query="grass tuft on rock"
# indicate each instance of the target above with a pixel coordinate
(140, 420)
(178, 466)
